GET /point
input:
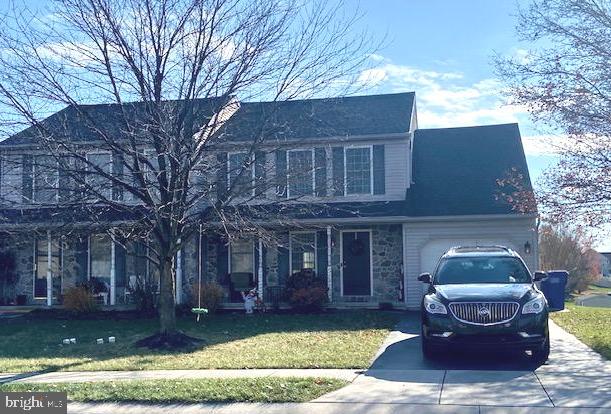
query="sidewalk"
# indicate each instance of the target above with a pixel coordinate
(93, 376)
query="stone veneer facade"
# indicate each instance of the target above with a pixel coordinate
(387, 246)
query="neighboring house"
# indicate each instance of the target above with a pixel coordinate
(390, 197)
(605, 264)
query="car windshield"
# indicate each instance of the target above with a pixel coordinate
(460, 270)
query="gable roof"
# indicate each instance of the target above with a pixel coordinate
(319, 118)
(455, 170)
(283, 120)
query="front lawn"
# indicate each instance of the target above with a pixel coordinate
(347, 339)
(590, 325)
(191, 391)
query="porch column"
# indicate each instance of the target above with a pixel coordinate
(260, 270)
(49, 274)
(113, 279)
(179, 276)
(329, 267)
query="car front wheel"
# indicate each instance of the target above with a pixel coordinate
(427, 348)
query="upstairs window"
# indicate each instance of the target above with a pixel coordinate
(358, 171)
(300, 173)
(240, 173)
(100, 184)
(45, 173)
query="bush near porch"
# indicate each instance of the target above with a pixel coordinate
(341, 339)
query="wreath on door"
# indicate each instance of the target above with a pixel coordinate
(357, 247)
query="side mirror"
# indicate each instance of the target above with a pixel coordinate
(425, 278)
(540, 275)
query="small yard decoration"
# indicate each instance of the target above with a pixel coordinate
(250, 299)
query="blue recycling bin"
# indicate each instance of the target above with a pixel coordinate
(553, 288)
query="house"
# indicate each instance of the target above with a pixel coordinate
(605, 264)
(386, 199)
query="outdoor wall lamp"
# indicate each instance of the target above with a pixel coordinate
(527, 247)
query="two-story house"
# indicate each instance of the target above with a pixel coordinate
(384, 200)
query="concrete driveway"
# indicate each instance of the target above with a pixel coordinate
(574, 377)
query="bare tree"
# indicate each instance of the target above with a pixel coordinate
(565, 248)
(176, 71)
(565, 82)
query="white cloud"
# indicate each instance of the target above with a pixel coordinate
(444, 98)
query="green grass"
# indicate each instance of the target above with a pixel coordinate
(590, 325)
(191, 391)
(334, 340)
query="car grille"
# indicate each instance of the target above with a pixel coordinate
(484, 313)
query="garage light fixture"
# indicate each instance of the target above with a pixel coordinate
(527, 247)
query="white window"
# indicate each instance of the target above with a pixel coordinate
(242, 257)
(99, 184)
(45, 173)
(301, 178)
(99, 257)
(239, 162)
(358, 170)
(302, 246)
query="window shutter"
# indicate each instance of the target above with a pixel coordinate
(338, 171)
(379, 173)
(320, 165)
(81, 257)
(281, 174)
(222, 261)
(117, 171)
(283, 264)
(27, 177)
(260, 174)
(120, 266)
(221, 175)
(321, 254)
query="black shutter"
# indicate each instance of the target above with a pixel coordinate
(26, 179)
(320, 161)
(221, 175)
(117, 171)
(260, 174)
(81, 257)
(283, 265)
(222, 261)
(120, 266)
(281, 174)
(379, 173)
(321, 254)
(338, 171)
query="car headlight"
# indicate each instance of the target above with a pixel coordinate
(534, 306)
(432, 305)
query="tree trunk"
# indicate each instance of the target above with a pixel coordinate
(167, 297)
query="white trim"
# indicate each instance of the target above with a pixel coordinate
(288, 169)
(341, 258)
(329, 267)
(49, 272)
(346, 148)
(113, 280)
(179, 276)
(291, 248)
(260, 270)
(252, 165)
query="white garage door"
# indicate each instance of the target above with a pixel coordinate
(432, 251)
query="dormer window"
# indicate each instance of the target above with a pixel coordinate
(300, 172)
(358, 170)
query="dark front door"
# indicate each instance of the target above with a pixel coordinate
(356, 263)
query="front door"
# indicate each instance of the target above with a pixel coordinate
(356, 263)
